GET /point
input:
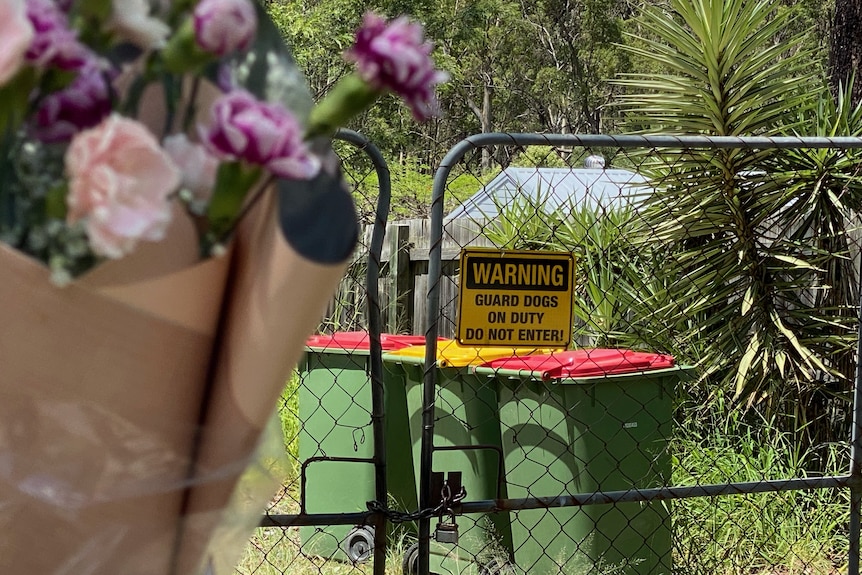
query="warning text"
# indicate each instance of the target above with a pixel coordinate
(515, 298)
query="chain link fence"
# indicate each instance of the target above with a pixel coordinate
(700, 421)
(319, 522)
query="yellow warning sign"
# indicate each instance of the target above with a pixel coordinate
(515, 298)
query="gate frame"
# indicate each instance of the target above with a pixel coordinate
(852, 480)
(375, 248)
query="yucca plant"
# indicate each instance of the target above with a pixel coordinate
(609, 305)
(755, 239)
(602, 307)
(523, 222)
(824, 197)
(617, 291)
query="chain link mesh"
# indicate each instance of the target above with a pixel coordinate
(326, 414)
(738, 260)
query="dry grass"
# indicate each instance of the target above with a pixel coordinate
(276, 551)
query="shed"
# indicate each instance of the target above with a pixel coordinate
(553, 188)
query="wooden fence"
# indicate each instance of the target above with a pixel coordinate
(404, 278)
(403, 282)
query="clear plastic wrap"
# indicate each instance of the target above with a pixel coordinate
(131, 427)
(106, 497)
(135, 401)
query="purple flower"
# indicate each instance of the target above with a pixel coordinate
(224, 26)
(83, 104)
(396, 57)
(54, 44)
(260, 133)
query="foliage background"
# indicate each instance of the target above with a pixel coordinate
(568, 53)
(768, 318)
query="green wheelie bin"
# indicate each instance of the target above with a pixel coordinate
(580, 422)
(467, 429)
(335, 421)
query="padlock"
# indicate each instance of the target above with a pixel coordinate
(446, 533)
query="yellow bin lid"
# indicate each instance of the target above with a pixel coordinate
(450, 354)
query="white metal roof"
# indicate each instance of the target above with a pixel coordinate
(553, 188)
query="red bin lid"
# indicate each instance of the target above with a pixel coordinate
(360, 341)
(584, 363)
(402, 340)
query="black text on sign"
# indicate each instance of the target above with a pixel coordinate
(515, 298)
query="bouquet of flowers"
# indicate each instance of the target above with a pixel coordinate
(172, 223)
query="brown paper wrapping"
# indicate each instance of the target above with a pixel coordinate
(102, 386)
(106, 466)
(100, 393)
(275, 300)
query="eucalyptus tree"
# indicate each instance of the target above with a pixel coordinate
(318, 33)
(515, 65)
(845, 51)
(577, 50)
(755, 239)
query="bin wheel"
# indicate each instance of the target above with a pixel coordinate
(410, 562)
(359, 544)
(496, 567)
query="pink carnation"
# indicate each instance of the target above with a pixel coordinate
(120, 180)
(16, 35)
(224, 26)
(396, 57)
(259, 133)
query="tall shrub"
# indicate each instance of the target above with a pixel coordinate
(757, 238)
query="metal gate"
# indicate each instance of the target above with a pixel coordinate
(736, 257)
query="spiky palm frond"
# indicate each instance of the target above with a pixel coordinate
(724, 73)
(757, 237)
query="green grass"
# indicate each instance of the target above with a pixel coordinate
(785, 533)
(289, 415)
(276, 551)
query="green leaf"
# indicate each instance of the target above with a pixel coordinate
(744, 366)
(182, 52)
(796, 262)
(55, 201)
(15, 95)
(233, 182)
(747, 301)
(806, 355)
(99, 10)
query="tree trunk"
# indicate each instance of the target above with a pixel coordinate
(845, 50)
(487, 119)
